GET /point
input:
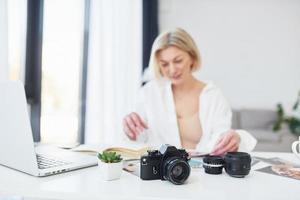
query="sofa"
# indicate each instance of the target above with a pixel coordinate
(259, 122)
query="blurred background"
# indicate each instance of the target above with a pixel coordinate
(82, 61)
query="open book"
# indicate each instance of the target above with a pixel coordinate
(127, 151)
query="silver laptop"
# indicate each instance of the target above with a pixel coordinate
(17, 149)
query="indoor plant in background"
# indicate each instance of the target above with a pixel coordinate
(110, 164)
(293, 122)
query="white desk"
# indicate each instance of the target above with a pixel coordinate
(87, 184)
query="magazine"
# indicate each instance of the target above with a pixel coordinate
(280, 167)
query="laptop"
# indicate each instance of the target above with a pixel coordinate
(17, 149)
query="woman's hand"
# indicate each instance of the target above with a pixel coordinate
(229, 141)
(133, 125)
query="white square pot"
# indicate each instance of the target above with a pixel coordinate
(110, 171)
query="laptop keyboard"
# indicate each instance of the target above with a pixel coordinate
(46, 162)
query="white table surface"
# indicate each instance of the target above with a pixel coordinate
(87, 184)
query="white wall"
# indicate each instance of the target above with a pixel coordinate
(3, 40)
(250, 48)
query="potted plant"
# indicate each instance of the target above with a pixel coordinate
(293, 122)
(110, 164)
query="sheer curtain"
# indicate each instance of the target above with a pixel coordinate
(13, 17)
(3, 41)
(115, 67)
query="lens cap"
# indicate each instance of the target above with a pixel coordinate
(213, 164)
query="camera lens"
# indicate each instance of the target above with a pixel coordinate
(237, 164)
(213, 164)
(176, 170)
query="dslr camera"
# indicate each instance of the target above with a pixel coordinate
(167, 163)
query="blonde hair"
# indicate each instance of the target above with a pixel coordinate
(178, 38)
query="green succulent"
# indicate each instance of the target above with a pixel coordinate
(109, 157)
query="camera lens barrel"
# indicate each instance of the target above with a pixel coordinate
(237, 164)
(176, 170)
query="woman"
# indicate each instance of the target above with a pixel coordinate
(178, 109)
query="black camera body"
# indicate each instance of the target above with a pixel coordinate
(169, 163)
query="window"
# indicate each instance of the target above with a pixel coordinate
(16, 38)
(60, 46)
(61, 70)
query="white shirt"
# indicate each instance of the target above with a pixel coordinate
(155, 105)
